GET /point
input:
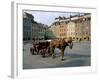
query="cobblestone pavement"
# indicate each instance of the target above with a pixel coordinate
(79, 56)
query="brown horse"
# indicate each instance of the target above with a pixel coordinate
(43, 48)
(61, 44)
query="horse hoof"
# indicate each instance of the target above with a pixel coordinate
(53, 57)
(33, 54)
(43, 56)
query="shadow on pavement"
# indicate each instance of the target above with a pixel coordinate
(72, 63)
(74, 55)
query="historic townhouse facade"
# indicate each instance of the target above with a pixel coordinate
(27, 26)
(59, 28)
(87, 27)
(77, 27)
(38, 31)
(70, 29)
(32, 29)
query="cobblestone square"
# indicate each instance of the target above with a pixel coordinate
(79, 56)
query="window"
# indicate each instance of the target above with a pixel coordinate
(61, 26)
(63, 34)
(71, 33)
(58, 23)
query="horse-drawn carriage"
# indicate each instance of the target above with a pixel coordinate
(47, 47)
(41, 47)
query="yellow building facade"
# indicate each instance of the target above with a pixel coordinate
(77, 27)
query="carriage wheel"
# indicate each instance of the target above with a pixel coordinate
(32, 51)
